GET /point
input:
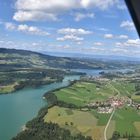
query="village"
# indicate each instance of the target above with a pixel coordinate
(107, 106)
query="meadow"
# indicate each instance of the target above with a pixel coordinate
(76, 121)
(126, 120)
(82, 93)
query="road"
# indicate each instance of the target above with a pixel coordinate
(105, 131)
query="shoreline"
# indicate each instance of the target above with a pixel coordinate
(29, 86)
(24, 128)
(40, 115)
(21, 86)
(46, 107)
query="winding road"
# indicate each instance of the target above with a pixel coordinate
(105, 131)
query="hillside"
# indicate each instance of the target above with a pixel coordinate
(20, 68)
(11, 58)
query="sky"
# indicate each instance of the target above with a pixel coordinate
(98, 27)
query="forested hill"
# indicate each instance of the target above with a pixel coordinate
(12, 58)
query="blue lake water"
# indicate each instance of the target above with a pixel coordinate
(21, 106)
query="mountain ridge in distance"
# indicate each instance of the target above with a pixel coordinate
(101, 57)
(29, 59)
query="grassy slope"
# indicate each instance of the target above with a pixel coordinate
(22, 58)
(136, 98)
(82, 93)
(125, 88)
(77, 121)
(125, 119)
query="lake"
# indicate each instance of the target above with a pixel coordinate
(21, 106)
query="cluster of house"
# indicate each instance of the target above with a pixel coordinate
(102, 107)
(105, 110)
(113, 102)
(95, 78)
(133, 104)
(136, 105)
(117, 102)
(108, 105)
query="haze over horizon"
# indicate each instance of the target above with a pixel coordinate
(93, 27)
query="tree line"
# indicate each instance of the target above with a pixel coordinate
(37, 129)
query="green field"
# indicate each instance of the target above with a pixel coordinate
(124, 88)
(76, 121)
(91, 123)
(127, 121)
(102, 118)
(136, 98)
(82, 93)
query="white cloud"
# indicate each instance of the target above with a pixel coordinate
(65, 46)
(80, 16)
(98, 44)
(102, 29)
(10, 26)
(1, 41)
(120, 50)
(96, 49)
(79, 43)
(26, 29)
(70, 37)
(50, 6)
(128, 25)
(123, 37)
(31, 30)
(72, 34)
(133, 43)
(74, 31)
(108, 36)
(129, 43)
(121, 7)
(35, 44)
(33, 10)
(118, 44)
(33, 16)
(101, 4)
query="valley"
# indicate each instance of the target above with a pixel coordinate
(97, 107)
(84, 99)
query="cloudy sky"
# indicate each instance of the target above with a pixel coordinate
(80, 26)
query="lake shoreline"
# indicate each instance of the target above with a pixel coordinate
(25, 87)
(30, 100)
